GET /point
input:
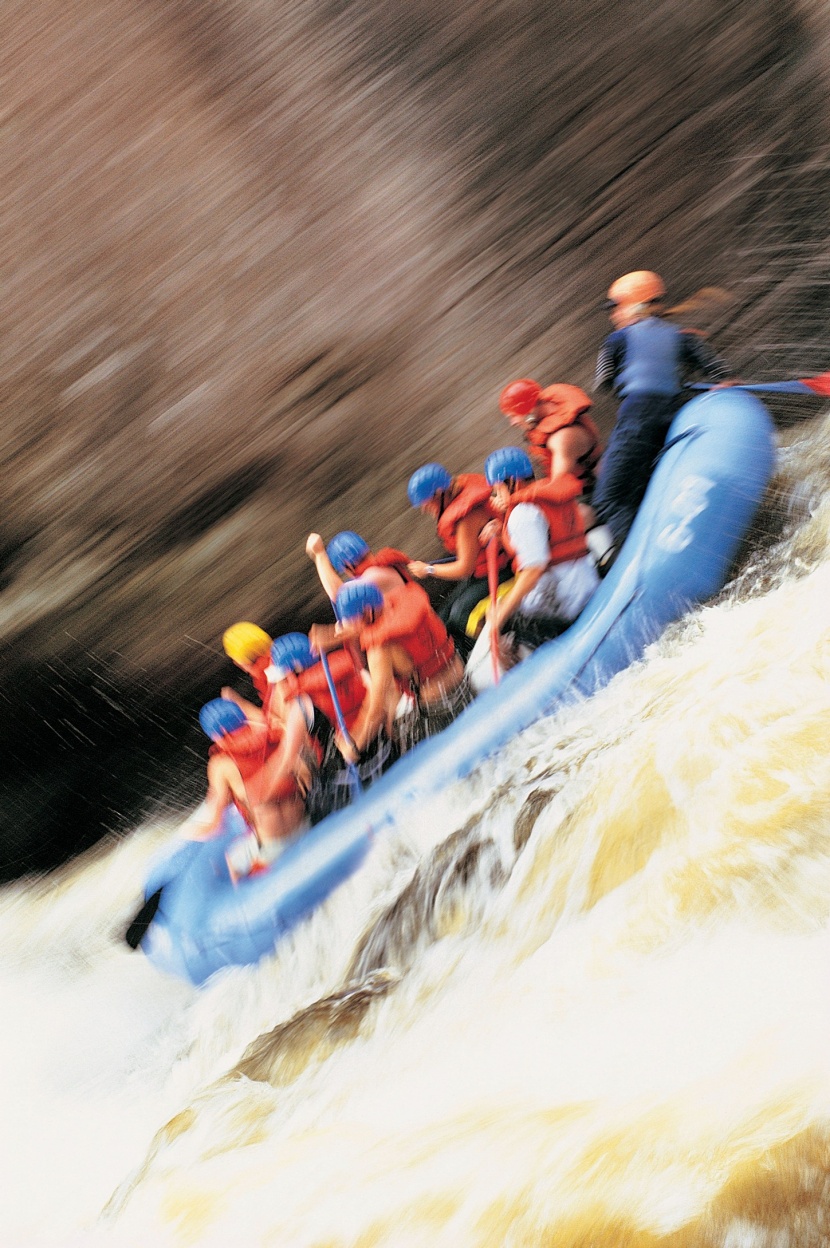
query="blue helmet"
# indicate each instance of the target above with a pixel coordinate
(427, 482)
(355, 597)
(506, 463)
(290, 653)
(220, 717)
(346, 550)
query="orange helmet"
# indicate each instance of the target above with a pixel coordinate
(641, 286)
(520, 397)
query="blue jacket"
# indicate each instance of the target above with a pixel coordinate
(653, 356)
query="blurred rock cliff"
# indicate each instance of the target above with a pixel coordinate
(261, 260)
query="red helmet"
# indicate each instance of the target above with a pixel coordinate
(520, 397)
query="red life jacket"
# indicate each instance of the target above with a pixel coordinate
(409, 621)
(386, 557)
(556, 499)
(571, 406)
(250, 750)
(259, 678)
(474, 494)
(350, 689)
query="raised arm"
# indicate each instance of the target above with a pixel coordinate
(316, 551)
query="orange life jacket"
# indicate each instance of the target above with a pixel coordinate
(386, 557)
(474, 493)
(556, 499)
(250, 749)
(571, 406)
(350, 689)
(409, 621)
(260, 680)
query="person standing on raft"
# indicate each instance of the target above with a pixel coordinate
(348, 556)
(646, 361)
(460, 506)
(542, 530)
(409, 651)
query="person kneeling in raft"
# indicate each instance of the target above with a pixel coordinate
(541, 528)
(251, 766)
(348, 556)
(406, 647)
(299, 683)
(460, 507)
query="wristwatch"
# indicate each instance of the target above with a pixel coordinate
(430, 569)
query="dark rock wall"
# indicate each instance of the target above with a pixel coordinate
(260, 260)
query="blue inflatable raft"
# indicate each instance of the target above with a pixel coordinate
(702, 497)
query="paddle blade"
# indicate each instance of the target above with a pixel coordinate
(818, 385)
(137, 930)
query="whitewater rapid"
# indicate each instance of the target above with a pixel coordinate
(583, 998)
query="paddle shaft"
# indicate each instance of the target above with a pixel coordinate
(818, 386)
(338, 713)
(493, 587)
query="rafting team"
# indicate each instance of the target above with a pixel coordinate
(337, 706)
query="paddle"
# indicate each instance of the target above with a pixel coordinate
(354, 775)
(137, 929)
(493, 587)
(819, 385)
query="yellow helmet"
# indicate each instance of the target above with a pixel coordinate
(245, 643)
